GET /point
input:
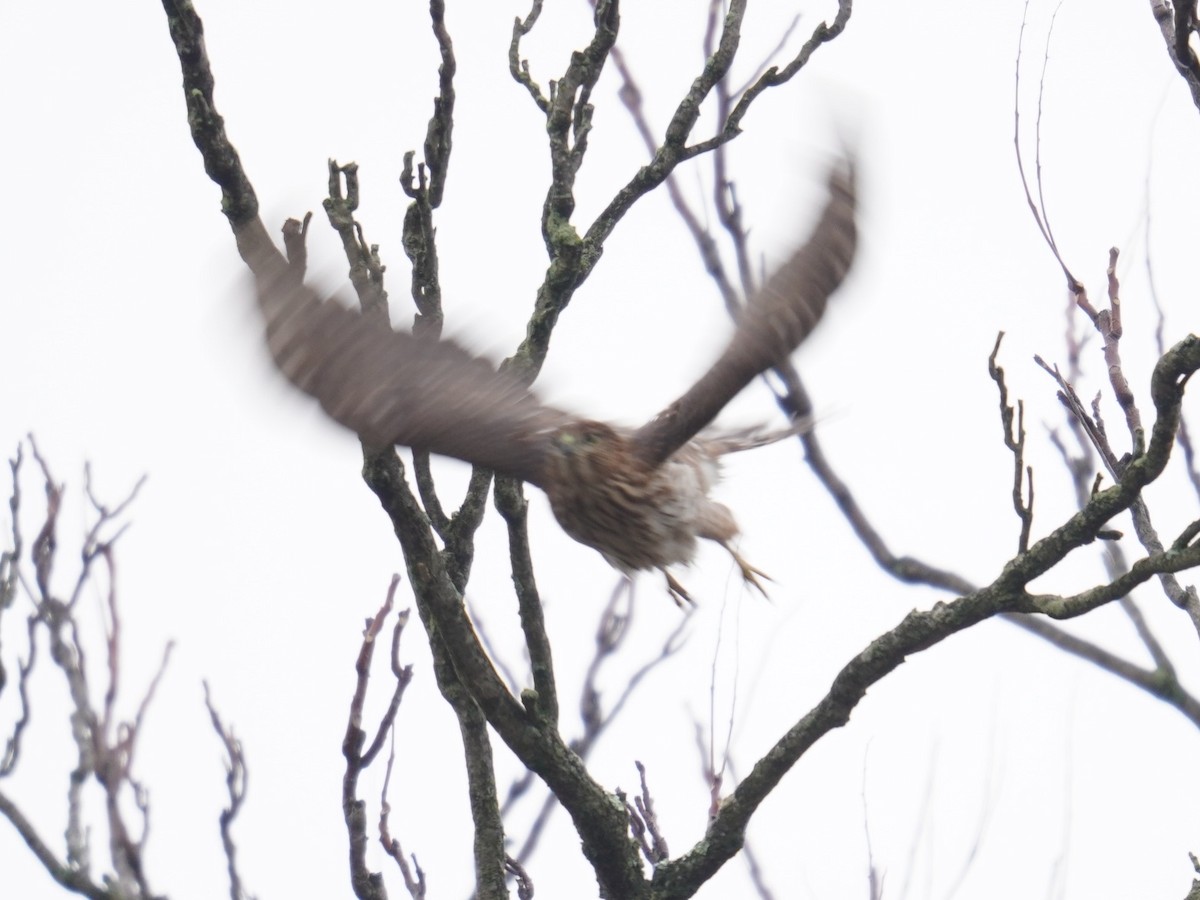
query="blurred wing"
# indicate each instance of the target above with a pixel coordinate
(781, 314)
(392, 388)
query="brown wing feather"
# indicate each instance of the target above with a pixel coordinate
(781, 314)
(392, 388)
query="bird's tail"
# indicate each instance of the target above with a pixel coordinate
(718, 443)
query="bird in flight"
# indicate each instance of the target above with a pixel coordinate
(638, 496)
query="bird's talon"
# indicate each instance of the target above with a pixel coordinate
(677, 591)
(750, 574)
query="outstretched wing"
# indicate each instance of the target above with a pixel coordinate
(781, 314)
(393, 388)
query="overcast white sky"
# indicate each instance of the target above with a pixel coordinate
(129, 342)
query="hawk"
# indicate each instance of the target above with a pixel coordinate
(640, 497)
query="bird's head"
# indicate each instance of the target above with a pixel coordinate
(584, 470)
(584, 438)
(583, 455)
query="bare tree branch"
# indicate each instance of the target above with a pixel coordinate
(369, 885)
(1015, 442)
(235, 786)
(105, 744)
(414, 876)
(1178, 23)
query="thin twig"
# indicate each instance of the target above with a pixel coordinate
(236, 777)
